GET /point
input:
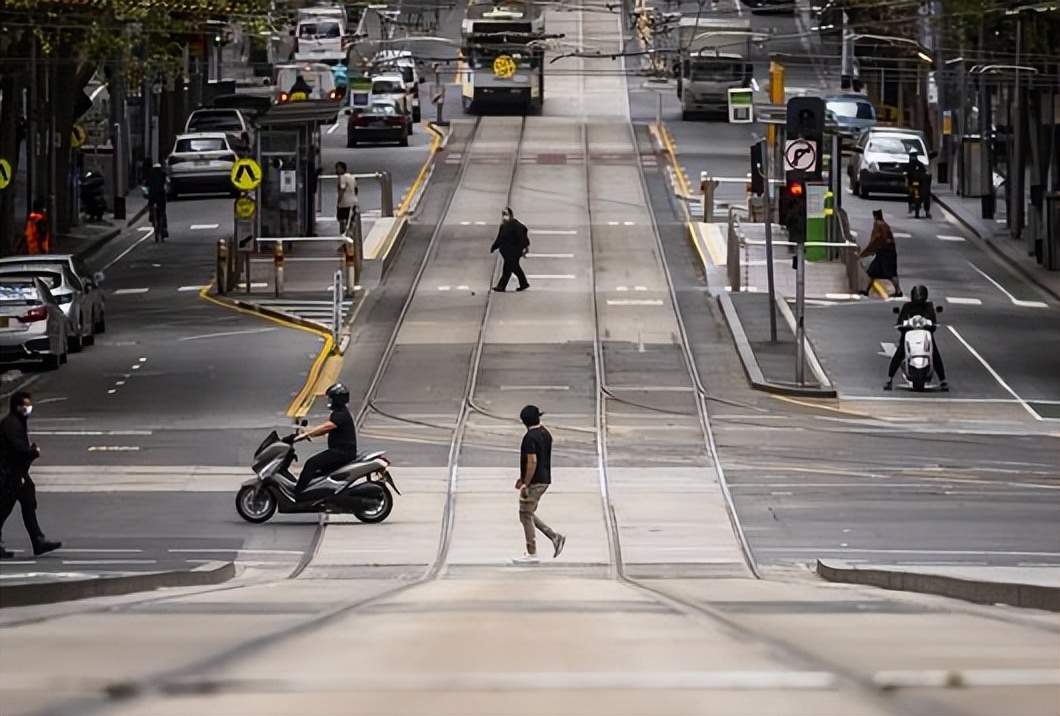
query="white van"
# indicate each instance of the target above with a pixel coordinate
(392, 87)
(318, 76)
(403, 63)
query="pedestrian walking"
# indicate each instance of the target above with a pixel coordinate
(535, 475)
(513, 241)
(38, 230)
(882, 247)
(346, 202)
(17, 453)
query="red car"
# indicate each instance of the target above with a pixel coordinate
(380, 121)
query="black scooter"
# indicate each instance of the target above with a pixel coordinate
(361, 488)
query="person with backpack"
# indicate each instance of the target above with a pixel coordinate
(513, 241)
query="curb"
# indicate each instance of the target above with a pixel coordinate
(1025, 596)
(750, 362)
(25, 595)
(944, 202)
(110, 235)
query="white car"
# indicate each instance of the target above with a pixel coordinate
(202, 162)
(319, 77)
(392, 87)
(32, 326)
(84, 280)
(403, 63)
(69, 295)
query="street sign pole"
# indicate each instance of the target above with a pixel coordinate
(768, 208)
(800, 314)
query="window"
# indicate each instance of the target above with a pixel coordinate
(852, 109)
(200, 145)
(48, 278)
(23, 293)
(215, 122)
(896, 145)
(387, 87)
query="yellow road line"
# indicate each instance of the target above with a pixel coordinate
(805, 404)
(436, 143)
(304, 399)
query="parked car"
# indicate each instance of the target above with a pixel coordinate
(852, 114)
(319, 77)
(381, 121)
(83, 280)
(391, 86)
(202, 162)
(880, 156)
(60, 282)
(218, 120)
(32, 326)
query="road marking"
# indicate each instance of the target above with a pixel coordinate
(994, 373)
(634, 302)
(221, 550)
(465, 223)
(963, 301)
(91, 433)
(444, 288)
(640, 288)
(889, 349)
(480, 223)
(535, 387)
(114, 448)
(148, 233)
(103, 551)
(551, 275)
(550, 256)
(958, 678)
(225, 334)
(951, 552)
(101, 562)
(621, 288)
(191, 288)
(612, 223)
(203, 227)
(999, 287)
(902, 235)
(333, 128)
(253, 284)
(629, 223)
(463, 288)
(125, 291)
(553, 232)
(950, 237)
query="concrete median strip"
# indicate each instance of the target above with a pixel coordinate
(52, 591)
(1028, 588)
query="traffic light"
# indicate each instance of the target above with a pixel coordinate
(792, 209)
(805, 117)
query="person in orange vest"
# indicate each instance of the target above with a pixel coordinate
(38, 231)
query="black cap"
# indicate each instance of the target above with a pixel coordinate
(530, 415)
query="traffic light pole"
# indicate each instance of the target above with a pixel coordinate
(800, 314)
(768, 208)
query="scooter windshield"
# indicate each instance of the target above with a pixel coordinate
(273, 437)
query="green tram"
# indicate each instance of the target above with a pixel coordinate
(502, 61)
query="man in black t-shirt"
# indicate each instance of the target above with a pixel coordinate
(535, 475)
(342, 438)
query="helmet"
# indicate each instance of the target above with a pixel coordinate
(338, 394)
(530, 415)
(919, 294)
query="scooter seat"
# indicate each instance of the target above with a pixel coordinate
(366, 456)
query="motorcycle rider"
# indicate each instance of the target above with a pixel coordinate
(342, 438)
(918, 305)
(915, 171)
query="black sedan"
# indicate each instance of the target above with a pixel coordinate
(378, 122)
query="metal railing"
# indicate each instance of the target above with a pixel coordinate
(386, 189)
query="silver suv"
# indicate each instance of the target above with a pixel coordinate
(880, 156)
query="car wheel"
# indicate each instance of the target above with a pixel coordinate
(416, 115)
(862, 191)
(685, 115)
(350, 143)
(101, 327)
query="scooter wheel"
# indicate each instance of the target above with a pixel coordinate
(255, 504)
(381, 511)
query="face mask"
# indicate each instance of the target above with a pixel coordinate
(331, 406)
(25, 410)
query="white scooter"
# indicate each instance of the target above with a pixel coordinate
(918, 369)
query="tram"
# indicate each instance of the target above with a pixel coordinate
(503, 59)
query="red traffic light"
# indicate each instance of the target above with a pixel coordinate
(795, 188)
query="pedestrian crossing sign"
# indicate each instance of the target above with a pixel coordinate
(246, 175)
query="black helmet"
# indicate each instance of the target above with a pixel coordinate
(530, 415)
(919, 294)
(338, 394)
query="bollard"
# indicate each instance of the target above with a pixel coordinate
(222, 267)
(707, 186)
(277, 262)
(349, 266)
(386, 193)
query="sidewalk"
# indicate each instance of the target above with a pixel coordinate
(1025, 587)
(90, 236)
(996, 236)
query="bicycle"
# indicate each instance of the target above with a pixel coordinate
(159, 221)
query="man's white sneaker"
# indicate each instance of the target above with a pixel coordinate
(558, 544)
(525, 559)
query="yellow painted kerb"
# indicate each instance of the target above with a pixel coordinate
(304, 399)
(436, 143)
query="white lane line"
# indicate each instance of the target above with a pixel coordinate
(549, 256)
(902, 235)
(226, 334)
(114, 448)
(612, 223)
(102, 562)
(957, 678)
(203, 227)
(551, 275)
(465, 223)
(91, 433)
(553, 232)
(994, 373)
(126, 291)
(480, 223)
(841, 296)
(333, 128)
(221, 550)
(148, 233)
(640, 288)
(950, 237)
(999, 287)
(253, 284)
(463, 288)
(634, 302)
(191, 288)
(629, 223)
(535, 387)
(102, 551)
(444, 288)
(621, 288)
(958, 301)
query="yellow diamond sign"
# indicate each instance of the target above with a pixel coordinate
(504, 67)
(246, 175)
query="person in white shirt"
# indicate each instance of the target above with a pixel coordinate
(346, 202)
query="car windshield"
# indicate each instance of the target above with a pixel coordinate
(852, 109)
(211, 122)
(18, 293)
(320, 28)
(387, 87)
(896, 145)
(48, 278)
(713, 71)
(200, 145)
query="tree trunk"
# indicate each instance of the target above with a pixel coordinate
(11, 84)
